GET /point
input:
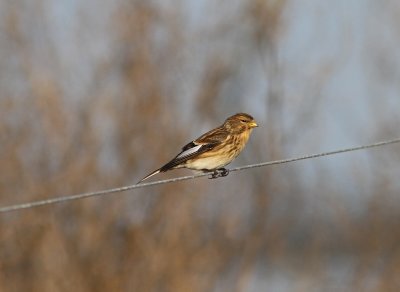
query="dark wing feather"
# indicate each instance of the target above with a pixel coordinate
(182, 157)
(187, 147)
(204, 143)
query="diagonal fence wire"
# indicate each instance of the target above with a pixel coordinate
(61, 199)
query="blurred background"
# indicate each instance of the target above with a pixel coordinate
(96, 94)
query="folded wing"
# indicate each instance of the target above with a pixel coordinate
(204, 143)
(190, 151)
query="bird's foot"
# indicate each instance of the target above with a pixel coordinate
(220, 172)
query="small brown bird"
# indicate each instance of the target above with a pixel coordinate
(215, 149)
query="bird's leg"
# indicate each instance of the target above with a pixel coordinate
(220, 172)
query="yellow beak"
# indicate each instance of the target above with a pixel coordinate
(253, 124)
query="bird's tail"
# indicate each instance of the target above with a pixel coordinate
(149, 175)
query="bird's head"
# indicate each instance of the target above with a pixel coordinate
(239, 123)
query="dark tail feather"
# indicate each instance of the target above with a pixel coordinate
(149, 175)
(174, 163)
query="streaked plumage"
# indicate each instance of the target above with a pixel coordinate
(215, 149)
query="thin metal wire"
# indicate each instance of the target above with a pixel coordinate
(182, 178)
